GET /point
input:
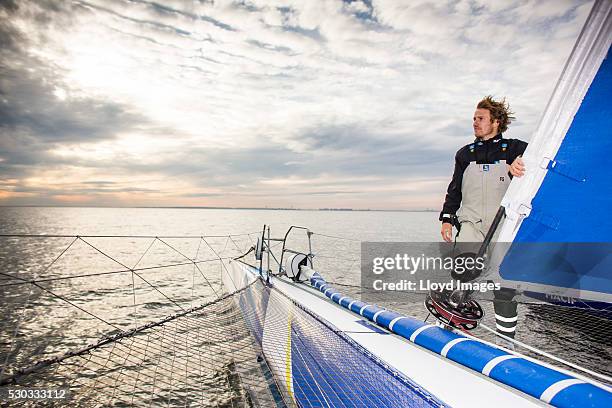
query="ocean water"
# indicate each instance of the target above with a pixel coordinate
(84, 289)
(360, 225)
(111, 295)
(39, 323)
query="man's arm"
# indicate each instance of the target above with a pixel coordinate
(453, 197)
(517, 168)
(515, 152)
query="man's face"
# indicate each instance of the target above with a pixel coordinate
(483, 127)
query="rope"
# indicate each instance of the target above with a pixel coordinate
(194, 264)
(14, 335)
(168, 360)
(55, 295)
(60, 278)
(336, 237)
(145, 281)
(120, 236)
(222, 263)
(548, 355)
(36, 283)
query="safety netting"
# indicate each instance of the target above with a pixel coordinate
(126, 321)
(316, 364)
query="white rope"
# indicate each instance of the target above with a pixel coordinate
(545, 354)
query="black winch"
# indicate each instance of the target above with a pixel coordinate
(454, 308)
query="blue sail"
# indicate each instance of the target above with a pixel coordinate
(558, 215)
(576, 194)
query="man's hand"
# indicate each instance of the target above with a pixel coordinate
(517, 168)
(447, 232)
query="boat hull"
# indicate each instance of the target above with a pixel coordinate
(343, 360)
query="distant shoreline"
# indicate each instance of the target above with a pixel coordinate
(219, 208)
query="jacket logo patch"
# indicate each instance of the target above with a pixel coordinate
(502, 179)
(485, 167)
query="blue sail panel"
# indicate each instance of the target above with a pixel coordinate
(577, 191)
(572, 206)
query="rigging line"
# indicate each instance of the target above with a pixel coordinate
(274, 257)
(336, 237)
(225, 247)
(60, 278)
(193, 274)
(172, 369)
(101, 383)
(347, 285)
(138, 372)
(70, 303)
(121, 372)
(21, 317)
(146, 281)
(545, 354)
(133, 283)
(161, 335)
(314, 377)
(118, 236)
(337, 258)
(194, 264)
(251, 239)
(222, 263)
(251, 249)
(114, 338)
(105, 365)
(134, 299)
(144, 253)
(235, 244)
(103, 253)
(346, 272)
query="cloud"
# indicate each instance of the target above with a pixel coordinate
(35, 113)
(328, 103)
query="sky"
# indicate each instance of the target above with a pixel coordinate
(304, 104)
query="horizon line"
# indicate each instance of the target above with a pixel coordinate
(222, 208)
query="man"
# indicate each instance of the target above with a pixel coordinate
(483, 170)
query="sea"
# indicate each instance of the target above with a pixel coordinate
(73, 253)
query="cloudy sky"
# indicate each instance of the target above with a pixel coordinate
(309, 104)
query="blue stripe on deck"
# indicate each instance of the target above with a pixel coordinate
(473, 354)
(582, 396)
(435, 339)
(386, 317)
(527, 376)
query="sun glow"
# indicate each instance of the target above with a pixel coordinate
(130, 148)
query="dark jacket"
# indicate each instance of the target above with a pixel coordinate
(481, 152)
